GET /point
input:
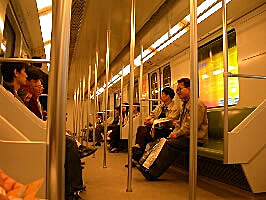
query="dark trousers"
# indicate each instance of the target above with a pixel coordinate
(143, 136)
(73, 171)
(115, 136)
(98, 136)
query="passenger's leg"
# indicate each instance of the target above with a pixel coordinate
(143, 137)
(164, 159)
(115, 139)
(73, 171)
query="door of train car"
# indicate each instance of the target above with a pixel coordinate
(158, 80)
(154, 88)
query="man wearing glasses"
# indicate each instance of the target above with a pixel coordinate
(33, 87)
(161, 157)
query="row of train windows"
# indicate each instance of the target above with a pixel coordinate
(7, 47)
(210, 65)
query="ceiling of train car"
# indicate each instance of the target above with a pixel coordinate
(98, 16)
(151, 29)
(28, 18)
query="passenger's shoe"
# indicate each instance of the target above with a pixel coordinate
(98, 144)
(145, 172)
(137, 153)
(133, 165)
(86, 151)
(114, 150)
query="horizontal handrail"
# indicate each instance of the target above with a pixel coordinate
(229, 74)
(143, 99)
(25, 60)
(22, 142)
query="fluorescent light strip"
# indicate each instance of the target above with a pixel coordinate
(43, 4)
(3, 47)
(201, 8)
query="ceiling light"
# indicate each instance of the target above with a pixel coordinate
(3, 47)
(43, 4)
(46, 26)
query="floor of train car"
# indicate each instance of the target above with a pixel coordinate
(110, 183)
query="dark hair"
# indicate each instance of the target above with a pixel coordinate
(169, 91)
(117, 108)
(39, 65)
(33, 73)
(185, 81)
(138, 106)
(127, 107)
(8, 68)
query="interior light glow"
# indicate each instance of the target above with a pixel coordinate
(48, 66)
(2, 24)
(148, 57)
(110, 85)
(137, 61)
(174, 29)
(43, 4)
(201, 8)
(126, 70)
(115, 81)
(231, 68)
(218, 71)
(46, 26)
(47, 49)
(100, 91)
(160, 41)
(178, 35)
(204, 76)
(115, 77)
(3, 47)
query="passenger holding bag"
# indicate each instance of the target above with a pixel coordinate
(163, 152)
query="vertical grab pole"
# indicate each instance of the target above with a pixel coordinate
(83, 109)
(106, 97)
(121, 100)
(225, 58)
(95, 100)
(89, 103)
(76, 128)
(74, 112)
(131, 91)
(57, 99)
(140, 86)
(194, 101)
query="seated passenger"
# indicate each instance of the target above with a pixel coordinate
(34, 87)
(178, 140)
(168, 110)
(114, 133)
(14, 77)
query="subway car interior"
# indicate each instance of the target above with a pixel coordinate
(83, 81)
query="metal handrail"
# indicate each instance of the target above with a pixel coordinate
(229, 74)
(143, 99)
(25, 60)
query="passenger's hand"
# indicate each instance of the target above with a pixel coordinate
(175, 122)
(148, 121)
(173, 135)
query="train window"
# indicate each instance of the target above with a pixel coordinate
(136, 92)
(9, 39)
(166, 76)
(154, 89)
(158, 80)
(211, 84)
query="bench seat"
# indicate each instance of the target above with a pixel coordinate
(214, 147)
